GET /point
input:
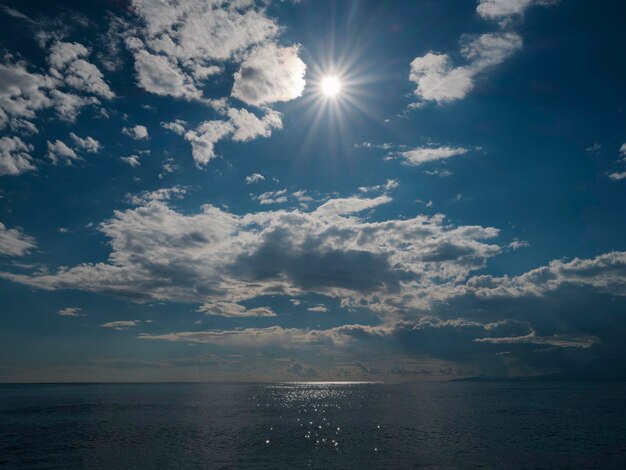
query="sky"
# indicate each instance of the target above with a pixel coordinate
(182, 198)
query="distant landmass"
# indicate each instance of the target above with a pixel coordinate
(594, 371)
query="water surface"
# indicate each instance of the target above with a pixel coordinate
(313, 425)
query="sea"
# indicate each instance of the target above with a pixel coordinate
(451, 425)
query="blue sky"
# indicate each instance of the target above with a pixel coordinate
(180, 200)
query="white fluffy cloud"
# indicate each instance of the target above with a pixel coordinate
(242, 125)
(131, 160)
(15, 156)
(232, 310)
(420, 155)
(14, 242)
(270, 74)
(88, 144)
(437, 79)
(67, 63)
(247, 126)
(216, 256)
(605, 273)
(204, 137)
(72, 83)
(121, 325)
(160, 75)
(177, 127)
(22, 93)
(136, 132)
(59, 151)
(254, 178)
(503, 9)
(184, 43)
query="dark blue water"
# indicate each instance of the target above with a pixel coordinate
(436, 425)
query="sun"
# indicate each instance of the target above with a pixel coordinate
(331, 86)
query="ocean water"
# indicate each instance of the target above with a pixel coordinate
(313, 425)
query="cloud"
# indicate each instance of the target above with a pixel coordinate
(620, 175)
(181, 42)
(318, 308)
(68, 105)
(16, 14)
(15, 156)
(270, 74)
(247, 126)
(67, 62)
(131, 160)
(70, 312)
(198, 30)
(561, 341)
(58, 150)
(605, 273)
(177, 127)
(22, 93)
(420, 155)
(594, 149)
(233, 310)
(88, 144)
(121, 324)
(215, 256)
(273, 197)
(161, 76)
(136, 132)
(254, 178)
(503, 9)
(437, 79)
(14, 242)
(163, 194)
(204, 137)
(241, 126)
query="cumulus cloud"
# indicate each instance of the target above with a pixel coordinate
(67, 62)
(120, 325)
(321, 308)
(15, 156)
(247, 126)
(160, 75)
(131, 160)
(182, 44)
(59, 151)
(177, 127)
(420, 155)
(14, 242)
(23, 93)
(216, 256)
(504, 9)
(254, 178)
(88, 144)
(136, 132)
(204, 137)
(233, 310)
(270, 74)
(605, 273)
(437, 79)
(70, 312)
